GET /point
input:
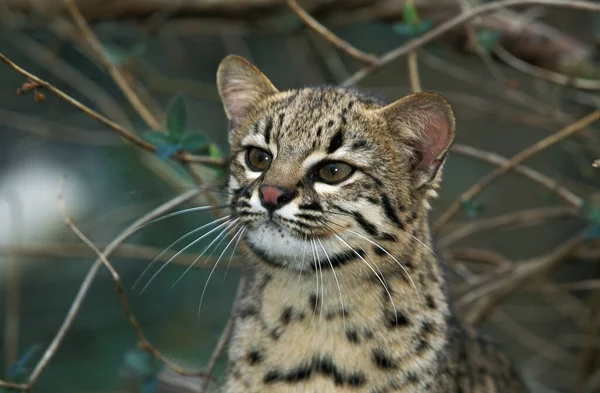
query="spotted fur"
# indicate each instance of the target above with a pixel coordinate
(348, 295)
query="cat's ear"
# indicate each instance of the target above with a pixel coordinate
(425, 122)
(241, 86)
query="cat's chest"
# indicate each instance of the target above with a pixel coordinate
(322, 341)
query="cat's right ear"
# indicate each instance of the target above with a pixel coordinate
(241, 86)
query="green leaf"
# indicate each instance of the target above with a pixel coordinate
(410, 15)
(487, 39)
(473, 209)
(18, 371)
(590, 211)
(157, 138)
(177, 117)
(140, 361)
(214, 151)
(115, 55)
(164, 152)
(193, 142)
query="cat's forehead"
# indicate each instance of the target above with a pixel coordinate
(302, 121)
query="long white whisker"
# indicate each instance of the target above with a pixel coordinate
(233, 251)
(373, 270)
(322, 281)
(180, 252)
(173, 244)
(337, 282)
(213, 270)
(303, 260)
(391, 256)
(180, 212)
(221, 236)
(317, 293)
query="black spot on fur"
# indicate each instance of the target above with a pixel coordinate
(352, 336)
(336, 142)
(311, 206)
(338, 260)
(268, 128)
(299, 374)
(286, 316)
(319, 130)
(426, 328)
(412, 377)
(330, 123)
(430, 302)
(312, 301)
(397, 320)
(360, 144)
(246, 312)
(390, 212)
(350, 105)
(382, 360)
(272, 376)
(364, 224)
(421, 345)
(388, 237)
(356, 379)
(275, 334)
(254, 357)
(281, 117)
(379, 251)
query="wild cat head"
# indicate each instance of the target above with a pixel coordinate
(319, 174)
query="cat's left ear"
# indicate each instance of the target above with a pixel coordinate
(425, 122)
(241, 87)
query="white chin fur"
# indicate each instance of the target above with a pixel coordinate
(280, 245)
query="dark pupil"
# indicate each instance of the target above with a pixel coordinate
(333, 170)
(260, 158)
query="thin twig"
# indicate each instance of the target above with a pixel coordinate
(91, 275)
(125, 133)
(329, 36)
(113, 71)
(143, 341)
(225, 333)
(126, 251)
(529, 217)
(457, 21)
(543, 73)
(413, 65)
(513, 162)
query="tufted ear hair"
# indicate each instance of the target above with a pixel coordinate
(241, 86)
(424, 122)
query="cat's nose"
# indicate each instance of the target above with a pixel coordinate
(273, 198)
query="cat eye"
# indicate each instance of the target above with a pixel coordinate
(334, 172)
(257, 159)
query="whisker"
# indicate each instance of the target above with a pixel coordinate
(180, 252)
(213, 270)
(184, 211)
(317, 292)
(322, 281)
(370, 267)
(173, 244)
(337, 282)
(221, 236)
(302, 264)
(233, 251)
(391, 256)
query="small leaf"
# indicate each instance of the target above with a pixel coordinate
(593, 232)
(115, 55)
(140, 361)
(214, 151)
(487, 39)
(410, 15)
(157, 138)
(164, 152)
(149, 384)
(473, 209)
(193, 142)
(590, 211)
(411, 31)
(19, 371)
(176, 117)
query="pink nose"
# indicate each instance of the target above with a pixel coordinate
(274, 197)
